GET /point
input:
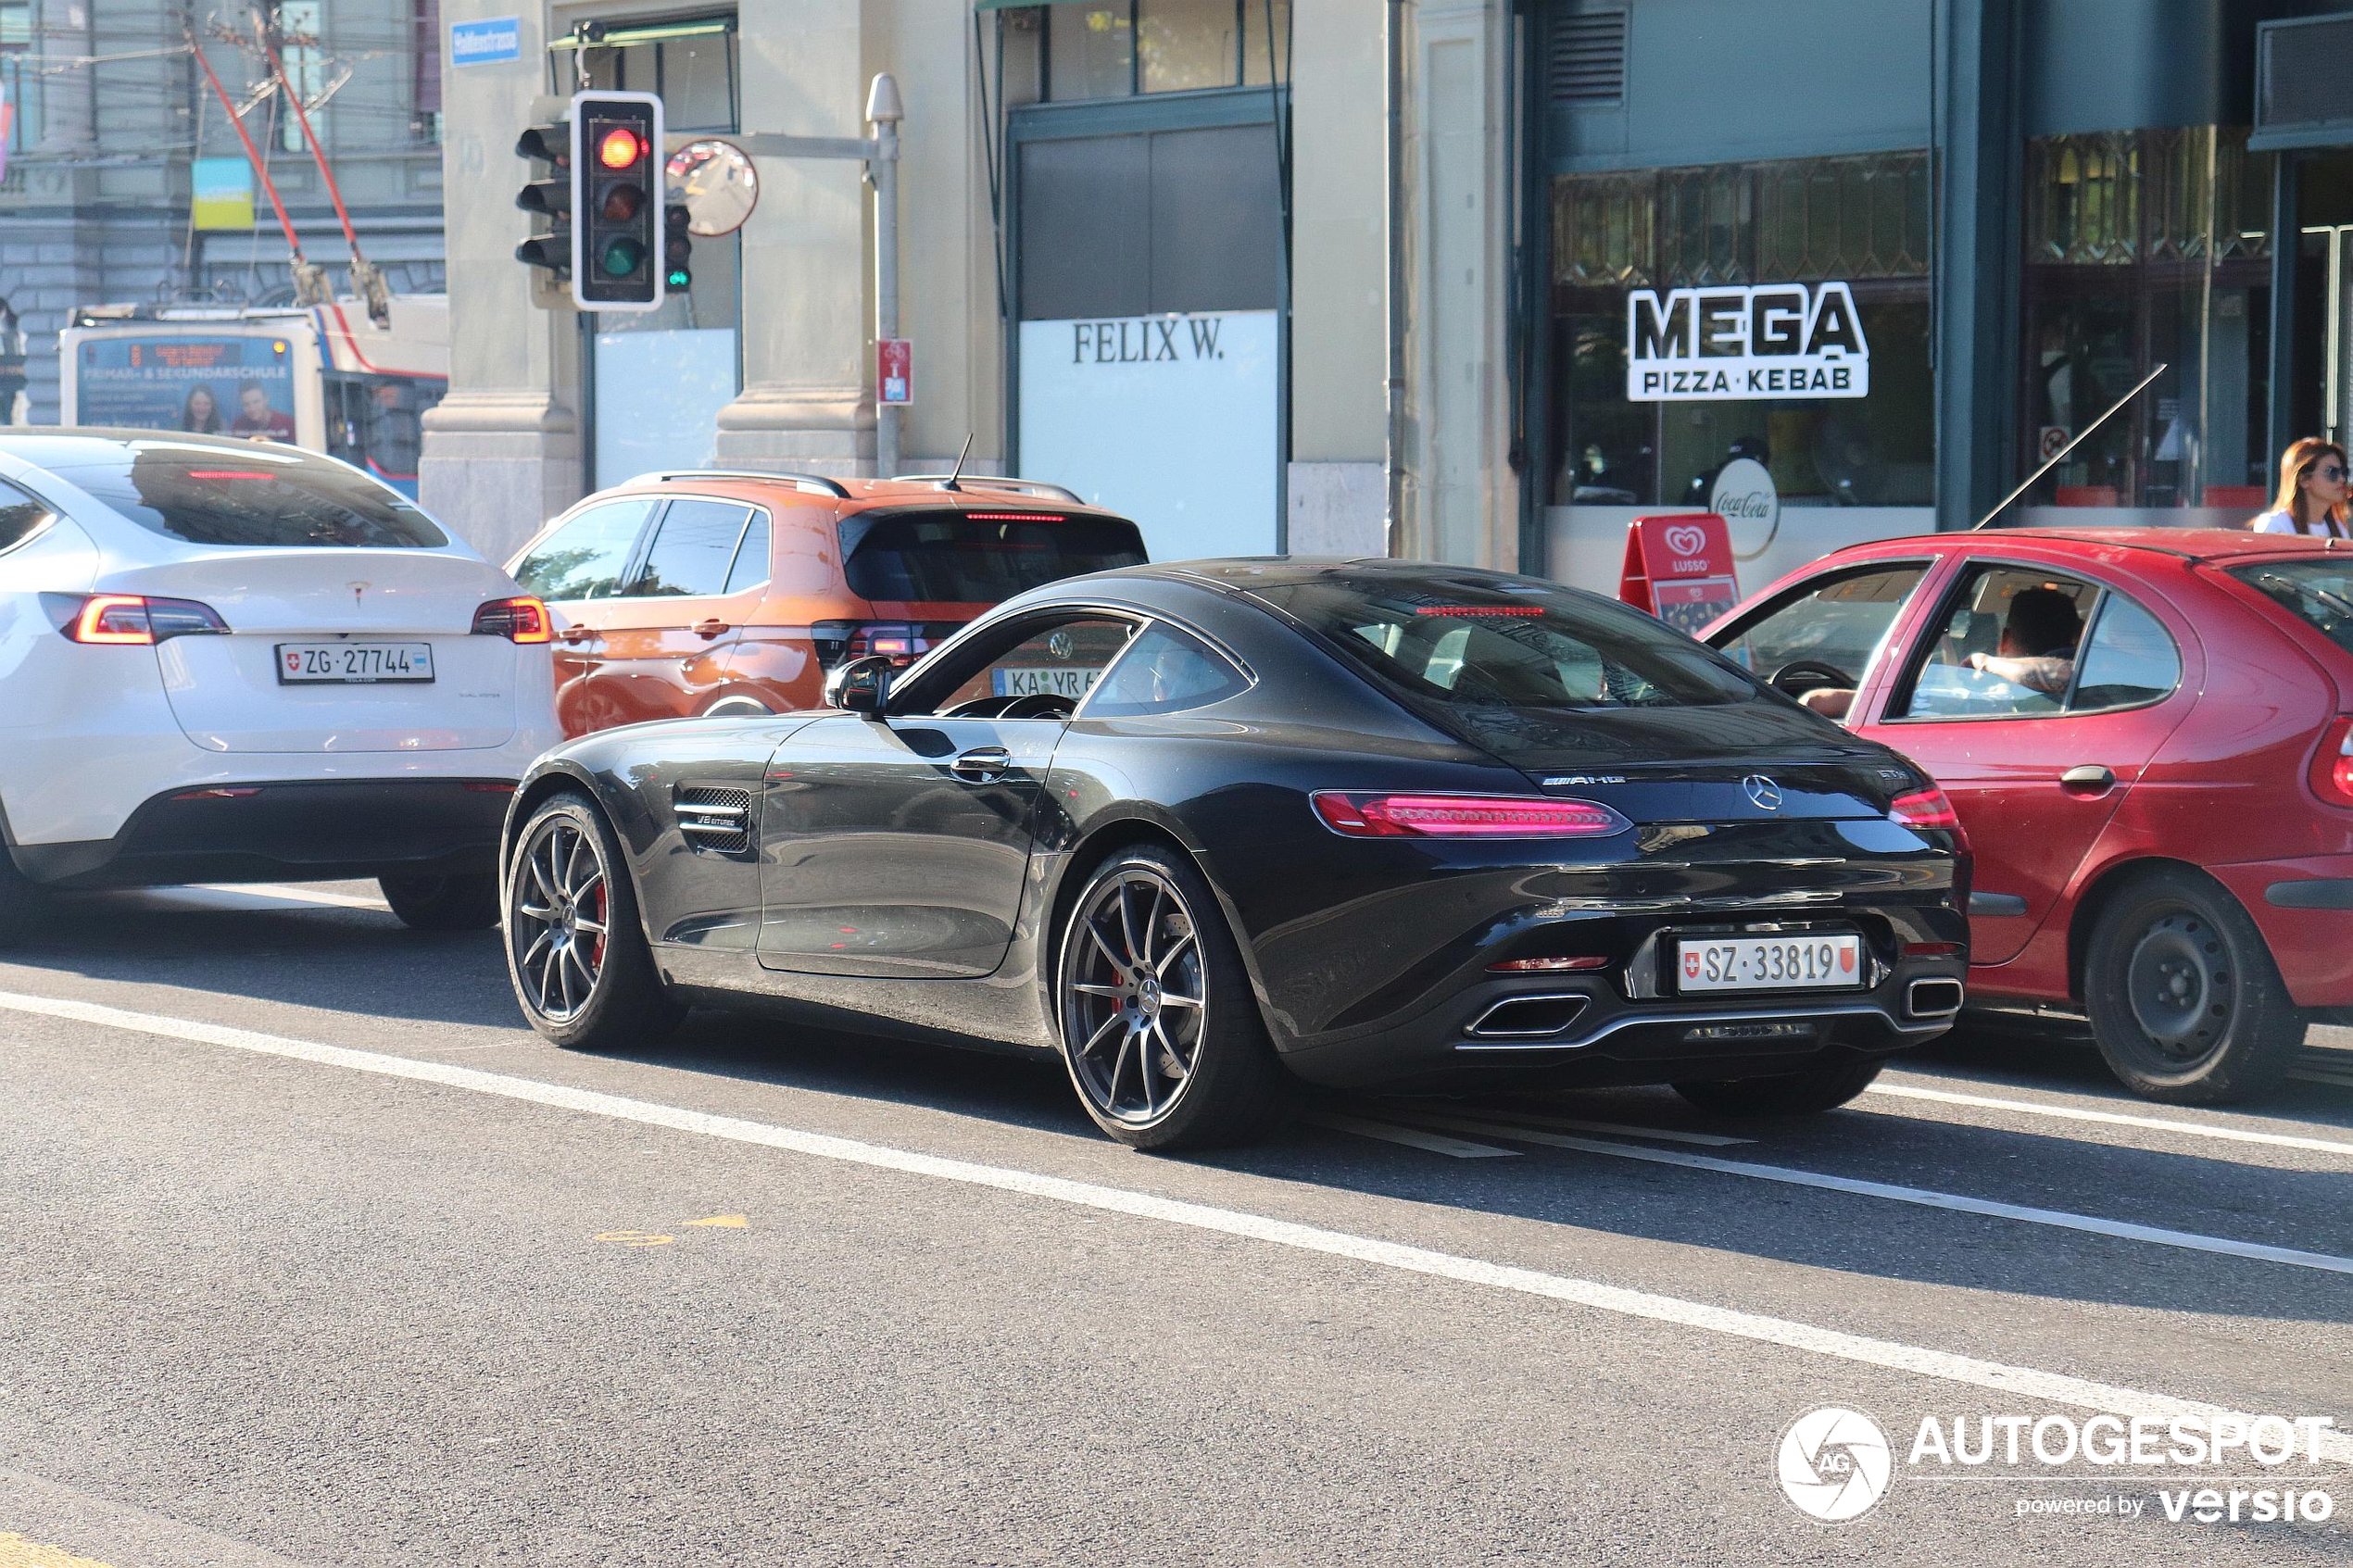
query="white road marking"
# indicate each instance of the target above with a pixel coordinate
(2113, 1117)
(1926, 1197)
(1626, 1129)
(1862, 1350)
(1436, 1143)
(284, 893)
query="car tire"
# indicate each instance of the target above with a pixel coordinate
(22, 901)
(1785, 1094)
(444, 903)
(577, 952)
(1159, 1025)
(2185, 1001)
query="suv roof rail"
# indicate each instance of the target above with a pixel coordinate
(996, 481)
(815, 483)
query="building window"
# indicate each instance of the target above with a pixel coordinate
(19, 84)
(424, 77)
(1860, 222)
(301, 29)
(1118, 48)
(2147, 247)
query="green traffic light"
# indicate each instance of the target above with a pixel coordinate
(679, 278)
(621, 257)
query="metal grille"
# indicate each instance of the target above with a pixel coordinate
(2305, 75)
(1586, 62)
(714, 817)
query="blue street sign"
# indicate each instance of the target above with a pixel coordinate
(486, 43)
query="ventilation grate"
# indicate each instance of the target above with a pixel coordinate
(714, 818)
(1586, 60)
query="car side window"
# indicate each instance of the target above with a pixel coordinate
(584, 558)
(750, 568)
(2128, 660)
(20, 516)
(2005, 648)
(1835, 620)
(1165, 671)
(1062, 660)
(694, 545)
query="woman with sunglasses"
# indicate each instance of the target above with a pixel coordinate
(2313, 492)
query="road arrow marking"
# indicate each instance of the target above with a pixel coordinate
(731, 1221)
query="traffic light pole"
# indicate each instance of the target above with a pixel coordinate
(880, 154)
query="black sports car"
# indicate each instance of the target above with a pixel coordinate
(1202, 828)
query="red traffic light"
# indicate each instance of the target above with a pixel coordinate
(620, 147)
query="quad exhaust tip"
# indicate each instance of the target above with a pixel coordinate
(1528, 1017)
(1935, 997)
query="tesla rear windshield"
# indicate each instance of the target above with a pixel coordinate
(1489, 648)
(2317, 591)
(269, 497)
(978, 557)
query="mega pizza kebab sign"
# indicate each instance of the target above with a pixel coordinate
(1761, 339)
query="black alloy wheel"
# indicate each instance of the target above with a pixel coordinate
(578, 959)
(444, 903)
(2185, 1002)
(1159, 1027)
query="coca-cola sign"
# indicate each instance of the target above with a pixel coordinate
(1745, 496)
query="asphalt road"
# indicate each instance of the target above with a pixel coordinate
(310, 1253)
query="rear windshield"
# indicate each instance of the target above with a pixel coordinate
(1492, 651)
(2318, 591)
(266, 497)
(978, 557)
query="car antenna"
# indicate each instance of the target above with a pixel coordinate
(2060, 456)
(949, 482)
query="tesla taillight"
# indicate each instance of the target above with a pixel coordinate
(1925, 809)
(133, 619)
(1357, 815)
(2333, 763)
(522, 620)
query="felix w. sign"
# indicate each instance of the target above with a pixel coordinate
(1763, 340)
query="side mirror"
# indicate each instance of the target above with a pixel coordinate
(861, 685)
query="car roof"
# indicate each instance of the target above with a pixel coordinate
(52, 447)
(976, 492)
(2183, 544)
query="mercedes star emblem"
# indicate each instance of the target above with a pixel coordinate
(1764, 791)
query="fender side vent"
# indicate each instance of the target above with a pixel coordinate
(713, 818)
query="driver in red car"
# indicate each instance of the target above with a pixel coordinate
(2037, 651)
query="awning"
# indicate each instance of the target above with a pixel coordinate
(654, 32)
(1024, 5)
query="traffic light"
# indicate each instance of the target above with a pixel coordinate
(617, 261)
(677, 249)
(548, 196)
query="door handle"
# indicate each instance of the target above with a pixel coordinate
(711, 628)
(2089, 777)
(983, 764)
(575, 633)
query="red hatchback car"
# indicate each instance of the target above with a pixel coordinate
(2148, 737)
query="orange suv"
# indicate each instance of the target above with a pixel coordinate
(702, 592)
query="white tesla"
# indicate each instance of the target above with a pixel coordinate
(227, 660)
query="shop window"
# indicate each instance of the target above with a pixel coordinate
(2147, 247)
(1116, 48)
(1859, 222)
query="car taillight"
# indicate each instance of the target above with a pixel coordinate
(524, 620)
(1925, 809)
(1358, 815)
(134, 619)
(840, 640)
(2333, 763)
